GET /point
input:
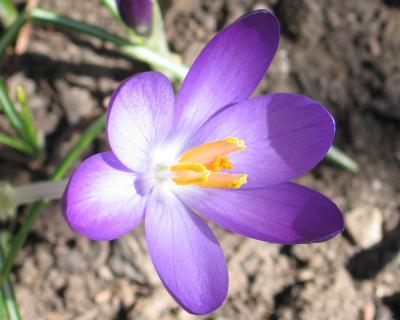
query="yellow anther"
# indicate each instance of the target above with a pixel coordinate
(224, 180)
(208, 152)
(238, 142)
(239, 182)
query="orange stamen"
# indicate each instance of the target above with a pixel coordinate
(220, 164)
(201, 165)
(208, 152)
(224, 180)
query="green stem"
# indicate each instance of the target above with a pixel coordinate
(139, 52)
(29, 193)
(158, 62)
(17, 144)
(63, 168)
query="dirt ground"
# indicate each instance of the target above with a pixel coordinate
(345, 54)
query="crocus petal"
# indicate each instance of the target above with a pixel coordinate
(186, 255)
(285, 135)
(286, 214)
(137, 14)
(100, 201)
(139, 117)
(228, 69)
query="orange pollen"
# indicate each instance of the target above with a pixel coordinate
(220, 163)
(201, 165)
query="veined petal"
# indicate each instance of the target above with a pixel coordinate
(101, 201)
(186, 255)
(286, 213)
(285, 135)
(139, 117)
(228, 69)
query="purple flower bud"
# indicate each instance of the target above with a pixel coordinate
(137, 14)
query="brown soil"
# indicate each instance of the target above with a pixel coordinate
(345, 54)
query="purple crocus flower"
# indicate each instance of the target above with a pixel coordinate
(210, 152)
(137, 14)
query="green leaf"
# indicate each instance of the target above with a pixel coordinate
(21, 122)
(17, 144)
(9, 301)
(11, 33)
(112, 6)
(8, 12)
(339, 158)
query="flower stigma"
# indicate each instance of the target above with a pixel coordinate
(202, 165)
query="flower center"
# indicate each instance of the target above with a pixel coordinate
(202, 165)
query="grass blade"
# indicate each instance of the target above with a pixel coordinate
(17, 144)
(9, 109)
(8, 295)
